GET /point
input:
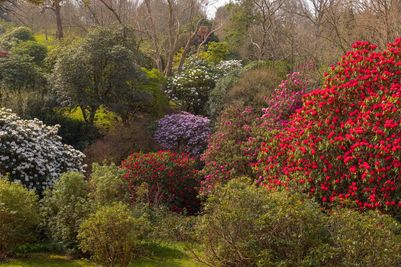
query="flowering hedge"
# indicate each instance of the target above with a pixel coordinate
(171, 179)
(343, 146)
(183, 132)
(32, 152)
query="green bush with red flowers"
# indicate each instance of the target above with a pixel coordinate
(343, 147)
(171, 179)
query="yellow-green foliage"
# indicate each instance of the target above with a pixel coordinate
(154, 82)
(215, 52)
(103, 118)
(42, 39)
(19, 216)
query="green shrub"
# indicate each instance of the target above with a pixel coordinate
(253, 86)
(16, 35)
(362, 239)
(168, 226)
(282, 68)
(219, 92)
(107, 185)
(36, 51)
(18, 216)
(113, 235)
(244, 225)
(64, 207)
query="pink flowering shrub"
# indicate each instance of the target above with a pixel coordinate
(243, 129)
(283, 102)
(343, 146)
(223, 157)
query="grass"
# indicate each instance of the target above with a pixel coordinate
(41, 38)
(162, 255)
(48, 260)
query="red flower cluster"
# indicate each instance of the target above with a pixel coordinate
(344, 145)
(171, 178)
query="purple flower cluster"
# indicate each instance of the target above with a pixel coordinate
(183, 132)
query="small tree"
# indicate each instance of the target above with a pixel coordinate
(190, 89)
(102, 70)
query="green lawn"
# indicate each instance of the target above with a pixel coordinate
(162, 256)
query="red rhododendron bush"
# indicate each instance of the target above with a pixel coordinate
(171, 179)
(344, 145)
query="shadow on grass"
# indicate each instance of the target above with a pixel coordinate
(39, 259)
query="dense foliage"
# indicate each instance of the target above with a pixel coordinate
(362, 239)
(191, 87)
(32, 152)
(19, 216)
(226, 159)
(171, 179)
(64, 207)
(100, 71)
(201, 137)
(112, 235)
(343, 146)
(107, 185)
(183, 132)
(246, 226)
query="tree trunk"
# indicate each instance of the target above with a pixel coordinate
(92, 114)
(57, 12)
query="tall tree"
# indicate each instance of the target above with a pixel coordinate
(55, 6)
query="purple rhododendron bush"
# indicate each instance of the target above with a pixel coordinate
(183, 132)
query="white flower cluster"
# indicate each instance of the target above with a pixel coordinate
(32, 153)
(229, 65)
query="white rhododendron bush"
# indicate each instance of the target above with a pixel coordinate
(32, 153)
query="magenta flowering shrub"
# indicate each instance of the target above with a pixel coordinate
(224, 158)
(183, 132)
(284, 101)
(281, 104)
(233, 148)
